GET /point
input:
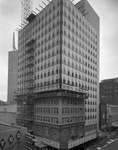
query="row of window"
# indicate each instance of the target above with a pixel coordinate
(54, 82)
(75, 14)
(90, 109)
(40, 35)
(54, 53)
(56, 121)
(55, 85)
(55, 101)
(85, 37)
(72, 119)
(49, 64)
(90, 102)
(90, 117)
(72, 110)
(46, 110)
(47, 102)
(56, 110)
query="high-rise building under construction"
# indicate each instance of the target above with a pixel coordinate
(58, 74)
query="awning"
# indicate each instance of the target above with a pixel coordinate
(40, 142)
(115, 124)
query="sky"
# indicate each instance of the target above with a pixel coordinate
(107, 10)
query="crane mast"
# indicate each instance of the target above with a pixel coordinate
(26, 9)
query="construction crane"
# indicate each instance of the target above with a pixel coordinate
(26, 9)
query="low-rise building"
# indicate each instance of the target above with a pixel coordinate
(108, 116)
(12, 137)
(112, 115)
(109, 91)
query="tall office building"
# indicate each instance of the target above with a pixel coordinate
(26, 9)
(58, 74)
(12, 72)
(109, 91)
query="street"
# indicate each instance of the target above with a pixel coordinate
(105, 146)
(112, 146)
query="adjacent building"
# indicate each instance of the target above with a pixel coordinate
(108, 116)
(112, 115)
(109, 91)
(12, 72)
(58, 74)
(12, 137)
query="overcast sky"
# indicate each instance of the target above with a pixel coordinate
(107, 10)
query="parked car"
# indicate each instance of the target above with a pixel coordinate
(98, 148)
(111, 140)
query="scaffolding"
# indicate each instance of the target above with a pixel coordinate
(26, 98)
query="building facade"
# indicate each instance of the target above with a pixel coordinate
(108, 116)
(12, 75)
(58, 74)
(109, 91)
(112, 115)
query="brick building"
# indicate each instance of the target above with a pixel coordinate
(109, 91)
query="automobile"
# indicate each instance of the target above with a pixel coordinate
(98, 148)
(111, 140)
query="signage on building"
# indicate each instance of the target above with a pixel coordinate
(18, 135)
(2, 143)
(10, 139)
(51, 143)
(73, 143)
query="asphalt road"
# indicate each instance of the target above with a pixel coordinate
(106, 146)
(112, 146)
